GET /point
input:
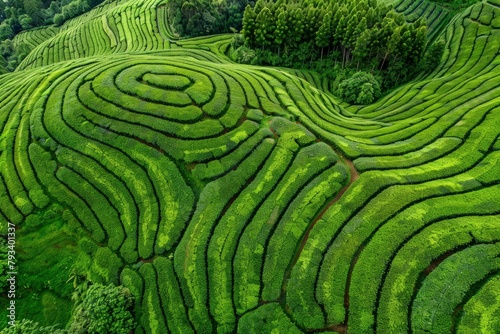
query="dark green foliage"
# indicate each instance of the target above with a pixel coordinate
(433, 56)
(6, 31)
(33, 9)
(361, 88)
(71, 10)
(456, 4)
(104, 309)
(204, 17)
(26, 326)
(355, 35)
(243, 55)
(106, 266)
(248, 24)
(25, 21)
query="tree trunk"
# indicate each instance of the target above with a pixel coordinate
(383, 61)
(343, 57)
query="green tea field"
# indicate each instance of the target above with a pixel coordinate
(232, 198)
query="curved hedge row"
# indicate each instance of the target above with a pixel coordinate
(437, 16)
(432, 161)
(112, 27)
(139, 151)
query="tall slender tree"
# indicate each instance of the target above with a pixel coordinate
(392, 45)
(248, 30)
(281, 27)
(324, 33)
(264, 28)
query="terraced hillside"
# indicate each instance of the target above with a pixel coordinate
(436, 16)
(114, 27)
(234, 198)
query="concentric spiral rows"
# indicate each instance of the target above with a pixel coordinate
(154, 157)
(224, 191)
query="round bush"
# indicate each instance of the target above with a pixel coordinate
(106, 309)
(243, 55)
(361, 88)
(58, 19)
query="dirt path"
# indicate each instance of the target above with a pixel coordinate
(354, 175)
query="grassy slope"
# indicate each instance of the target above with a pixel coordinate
(98, 135)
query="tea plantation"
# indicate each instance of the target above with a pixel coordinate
(235, 198)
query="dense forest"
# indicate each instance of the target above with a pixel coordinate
(338, 39)
(205, 17)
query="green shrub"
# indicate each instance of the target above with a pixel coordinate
(5, 31)
(58, 19)
(361, 88)
(105, 309)
(25, 21)
(243, 55)
(432, 57)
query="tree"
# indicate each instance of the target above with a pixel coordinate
(433, 56)
(34, 9)
(3, 5)
(298, 25)
(259, 6)
(25, 21)
(264, 28)
(418, 45)
(281, 26)
(311, 22)
(361, 88)
(335, 18)
(360, 28)
(349, 38)
(249, 25)
(243, 55)
(104, 309)
(58, 19)
(324, 33)
(351, 35)
(6, 31)
(371, 17)
(363, 46)
(339, 24)
(392, 45)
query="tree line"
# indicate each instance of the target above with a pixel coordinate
(206, 17)
(334, 36)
